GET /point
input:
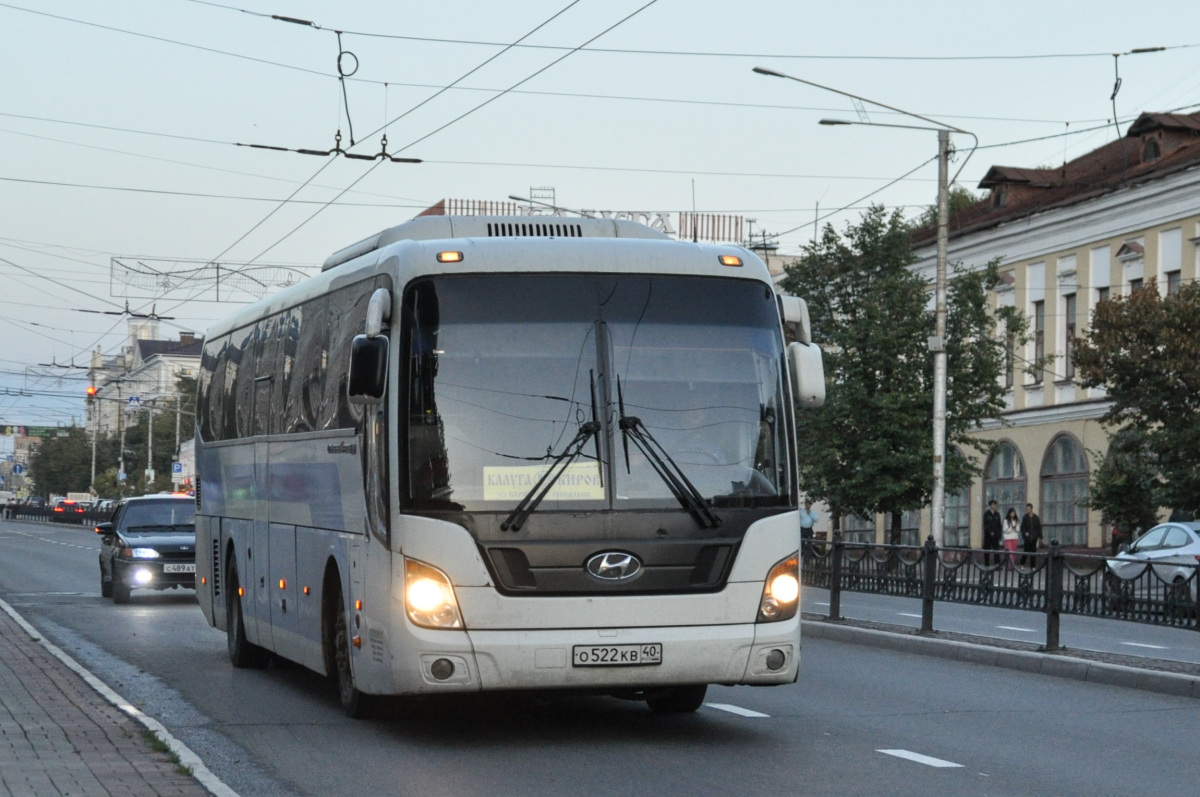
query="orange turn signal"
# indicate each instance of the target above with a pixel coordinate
(241, 592)
(358, 606)
(282, 584)
(449, 257)
(730, 260)
(306, 590)
(357, 642)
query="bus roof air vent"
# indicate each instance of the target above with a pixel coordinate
(430, 228)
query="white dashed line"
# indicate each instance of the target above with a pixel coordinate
(920, 759)
(1014, 628)
(822, 603)
(1140, 645)
(741, 712)
(907, 614)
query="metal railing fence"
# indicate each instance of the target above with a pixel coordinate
(1051, 581)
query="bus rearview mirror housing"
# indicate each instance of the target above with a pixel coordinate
(367, 379)
(807, 370)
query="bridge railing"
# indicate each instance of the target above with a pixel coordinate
(1050, 581)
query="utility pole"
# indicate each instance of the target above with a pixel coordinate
(937, 344)
(149, 444)
(121, 456)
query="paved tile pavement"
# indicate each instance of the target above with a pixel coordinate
(59, 736)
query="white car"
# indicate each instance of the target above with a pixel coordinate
(1158, 566)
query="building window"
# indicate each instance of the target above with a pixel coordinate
(1004, 479)
(1151, 150)
(1174, 282)
(1064, 492)
(910, 527)
(856, 528)
(1039, 340)
(1069, 346)
(1101, 295)
(1135, 286)
(999, 196)
(958, 518)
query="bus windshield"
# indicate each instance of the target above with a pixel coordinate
(504, 372)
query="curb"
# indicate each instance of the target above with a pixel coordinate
(1051, 664)
(187, 758)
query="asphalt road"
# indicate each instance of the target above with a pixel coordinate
(860, 721)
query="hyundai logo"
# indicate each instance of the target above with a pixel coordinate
(614, 566)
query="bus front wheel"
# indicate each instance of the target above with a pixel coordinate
(356, 704)
(242, 652)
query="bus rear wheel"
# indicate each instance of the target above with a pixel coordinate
(678, 699)
(242, 652)
(356, 704)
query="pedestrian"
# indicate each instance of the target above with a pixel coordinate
(1031, 534)
(808, 519)
(993, 528)
(1012, 535)
(1117, 538)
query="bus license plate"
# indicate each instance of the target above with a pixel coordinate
(617, 655)
(187, 568)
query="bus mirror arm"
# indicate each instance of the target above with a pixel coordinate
(379, 312)
(367, 377)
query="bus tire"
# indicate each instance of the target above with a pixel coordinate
(678, 699)
(356, 704)
(242, 652)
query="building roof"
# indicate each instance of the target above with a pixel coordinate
(1018, 192)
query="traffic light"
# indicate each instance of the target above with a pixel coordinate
(91, 393)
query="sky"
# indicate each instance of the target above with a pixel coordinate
(120, 123)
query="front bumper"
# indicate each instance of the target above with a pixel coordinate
(128, 572)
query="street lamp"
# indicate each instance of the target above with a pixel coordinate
(937, 343)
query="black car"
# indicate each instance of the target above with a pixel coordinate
(150, 544)
(67, 512)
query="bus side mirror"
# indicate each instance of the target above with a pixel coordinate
(368, 369)
(807, 371)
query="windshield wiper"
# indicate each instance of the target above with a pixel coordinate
(664, 465)
(557, 468)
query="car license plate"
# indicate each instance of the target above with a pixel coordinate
(187, 568)
(618, 655)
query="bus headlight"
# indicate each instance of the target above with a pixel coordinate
(781, 592)
(429, 597)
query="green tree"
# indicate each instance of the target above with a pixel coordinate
(1125, 483)
(1144, 350)
(957, 200)
(870, 449)
(62, 463)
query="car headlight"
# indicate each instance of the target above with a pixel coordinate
(141, 553)
(429, 597)
(781, 592)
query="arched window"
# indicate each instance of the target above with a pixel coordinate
(1004, 478)
(958, 518)
(910, 527)
(1064, 492)
(856, 528)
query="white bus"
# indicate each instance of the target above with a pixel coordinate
(483, 453)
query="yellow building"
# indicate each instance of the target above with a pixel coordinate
(1118, 219)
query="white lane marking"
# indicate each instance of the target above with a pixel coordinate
(1140, 645)
(906, 614)
(822, 603)
(920, 759)
(1014, 628)
(741, 712)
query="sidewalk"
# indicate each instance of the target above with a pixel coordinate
(60, 736)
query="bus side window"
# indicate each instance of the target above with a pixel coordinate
(239, 385)
(306, 388)
(287, 333)
(266, 370)
(347, 318)
(210, 390)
